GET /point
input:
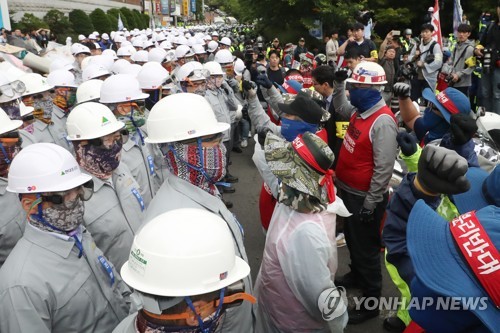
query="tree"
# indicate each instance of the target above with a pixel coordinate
(57, 22)
(30, 22)
(81, 22)
(113, 17)
(100, 21)
(138, 19)
(145, 20)
(131, 24)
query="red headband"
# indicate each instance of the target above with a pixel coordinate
(304, 152)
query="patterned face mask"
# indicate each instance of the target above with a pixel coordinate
(100, 161)
(65, 101)
(13, 111)
(133, 120)
(185, 161)
(299, 201)
(43, 109)
(66, 216)
(210, 325)
(7, 154)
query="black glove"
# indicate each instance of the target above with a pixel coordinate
(407, 142)
(340, 75)
(263, 80)
(248, 85)
(463, 128)
(441, 170)
(262, 134)
(401, 90)
(366, 215)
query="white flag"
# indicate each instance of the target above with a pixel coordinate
(120, 23)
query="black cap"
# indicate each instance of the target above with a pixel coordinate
(304, 107)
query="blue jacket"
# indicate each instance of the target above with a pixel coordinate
(394, 233)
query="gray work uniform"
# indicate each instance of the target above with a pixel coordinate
(177, 193)
(140, 161)
(114, 214)
(54, 132)
(218, 102)
(12, 220)
(127, 325)
(45, 287)
(28, 138)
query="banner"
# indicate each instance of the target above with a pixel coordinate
(193, 6)
(436, 23)
(120, 23)
(4, 15)
(165, 7)
(457, 16)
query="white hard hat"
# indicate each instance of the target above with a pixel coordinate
(183, 51)
(140, 56)
(199, 49)
(226, 41)
(133, 70)
(91, 120)
(160, 37)
(157, 267)
(187, 69)
(121, 88)
(215, 34)
(89, 91)
(119, 66)
(105, 36)
(92, 37)
(44, 167)
(137, 42)
(147, 44)
(79, 48)
(111, 53)
(214, 68)
(81, 37)
(367, 72)
(167, 124)
(123, 51)
(224, 57)
(102, 60)
(239, 66)
(25, 110)
(212, 46)
(94, 71)
(95, 33)
(60, 63)
(152, 76)
(181, 40)
(97, 46)
(166, 45)
(61, 78)
(157, 55)
(35, 83)
(6, 124)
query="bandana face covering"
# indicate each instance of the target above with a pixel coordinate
(364, 99)
(291, 128)
(436, 125)
(67, 101)
(66, 216)
(299, 201)
(7, 154)
(43, 109)
(99, 161)
(132, 123)
(185, 163)
(13, 111)
(210, 323)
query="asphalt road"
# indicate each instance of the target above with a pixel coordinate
(246, 210)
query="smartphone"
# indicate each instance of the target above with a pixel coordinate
(396, 32)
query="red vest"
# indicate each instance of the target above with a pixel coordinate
(355, 165)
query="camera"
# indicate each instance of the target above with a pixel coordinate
(429, 58)
(408, 71)
(487, 59)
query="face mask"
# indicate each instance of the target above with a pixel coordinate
(203, 175)
(7, 154)
(218, 81)
(435, 125)
(99, 161)
(364, 99)
(66, 102)
(132, 123)
(210, 325)
(66, 216)
(30, 128)
(291, 128)
(13, 111)
(43, 109)
(154, 97)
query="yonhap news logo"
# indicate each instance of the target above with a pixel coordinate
(332, 303)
